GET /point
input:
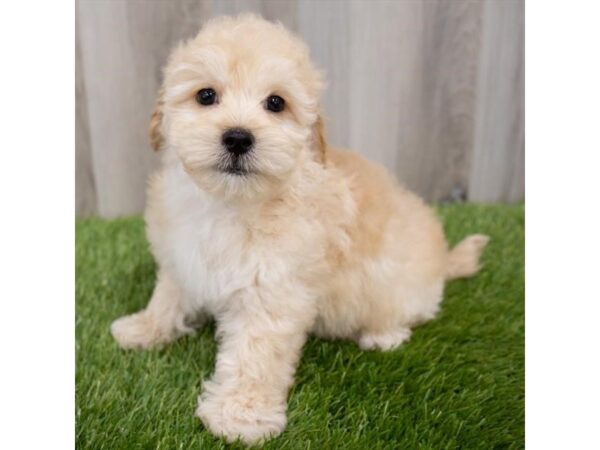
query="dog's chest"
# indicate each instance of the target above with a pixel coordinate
(214, 250)
(210, 253)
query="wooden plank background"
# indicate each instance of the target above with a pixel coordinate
(433, 89)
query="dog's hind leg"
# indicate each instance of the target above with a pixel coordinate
(387, 340)
(164, 319)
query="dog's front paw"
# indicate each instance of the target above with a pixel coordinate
(138, 331)
(239, 416)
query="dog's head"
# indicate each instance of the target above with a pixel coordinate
(240, 107)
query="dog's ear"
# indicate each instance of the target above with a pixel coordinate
(156, 120)
(319, 140)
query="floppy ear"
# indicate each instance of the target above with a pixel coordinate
(319, 140)
(156, 136)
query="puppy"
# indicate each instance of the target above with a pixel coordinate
(257, 222)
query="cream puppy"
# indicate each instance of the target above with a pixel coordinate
(257, 222)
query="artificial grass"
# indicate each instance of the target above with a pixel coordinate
(458, 383)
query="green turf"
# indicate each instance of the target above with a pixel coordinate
(458, 383)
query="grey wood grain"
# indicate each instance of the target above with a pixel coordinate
(119, 93)
(431, 89)
(85, 192)
(326, 29)
(497, 170)
(383, 78)
(437, 166)
(416, 118)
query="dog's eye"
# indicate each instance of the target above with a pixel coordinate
(206, 96)
(275, 103)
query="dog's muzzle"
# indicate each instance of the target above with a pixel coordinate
(238, 143)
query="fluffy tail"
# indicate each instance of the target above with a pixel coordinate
(463, 260)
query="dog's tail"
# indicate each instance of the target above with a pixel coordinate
(463, 259)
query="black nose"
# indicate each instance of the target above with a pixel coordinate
(238, 140)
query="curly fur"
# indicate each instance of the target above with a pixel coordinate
(312, 240)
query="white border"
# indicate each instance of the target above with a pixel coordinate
(37, 229)
(562, 224)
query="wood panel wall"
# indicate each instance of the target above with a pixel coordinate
(433, 89)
